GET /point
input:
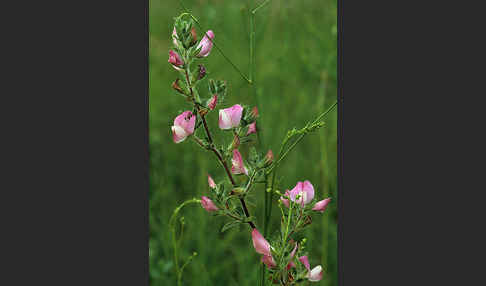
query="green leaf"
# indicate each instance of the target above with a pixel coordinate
(230, 225)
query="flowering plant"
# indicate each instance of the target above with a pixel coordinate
(286, 259)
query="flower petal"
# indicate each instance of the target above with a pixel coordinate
(297, 190)
(305, 261)
(315, 274)
(308, 188)
(211, 182)
(178, 134)
(260, 244)
(320, 206)
(206, 44)
(268, 260)
(284, 200)
(235, 114)
(224, 120)
(208, 205)
(251, 128)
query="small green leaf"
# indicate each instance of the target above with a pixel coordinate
(230, 225)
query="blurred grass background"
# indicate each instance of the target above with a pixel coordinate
(295, 75)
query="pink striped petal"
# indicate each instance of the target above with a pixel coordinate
(305, 261)
(206, 44)
(320, 206)
(238, 166)
(208, 205)
(260, 244)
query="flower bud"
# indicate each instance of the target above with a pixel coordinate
(254, 112)
(208, 205)
(251, 128)
(175, 85)
(238, 166)
(211, 182)
(175, 59)
(284, 200)
(206, 44)
(194, 36)
(269, 157)
(201, 72)
(320, 206)
(175, 38)
(213, 102)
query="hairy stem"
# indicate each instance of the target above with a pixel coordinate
(215, 151)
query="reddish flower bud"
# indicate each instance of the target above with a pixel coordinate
(251, 128)
(175, 85)
(269, 157)
(194, 36)
(201, 72)
(175, 59)
(238, 166)
(208, 205)
(254, 112)
(213, 102)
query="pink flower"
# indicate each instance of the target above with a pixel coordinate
(183, 126)
(175, 59)
(174, 37)
(313, 275)
(284, 200)
(211, 182)
(268, 260)
(320, 206)
(230, 117)
(212, 103)
(208, 205)
(260, 244)
(305, 190)
(238, 167)
(251, 128)
(206, 44)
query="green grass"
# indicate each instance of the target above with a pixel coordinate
(295, 76)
